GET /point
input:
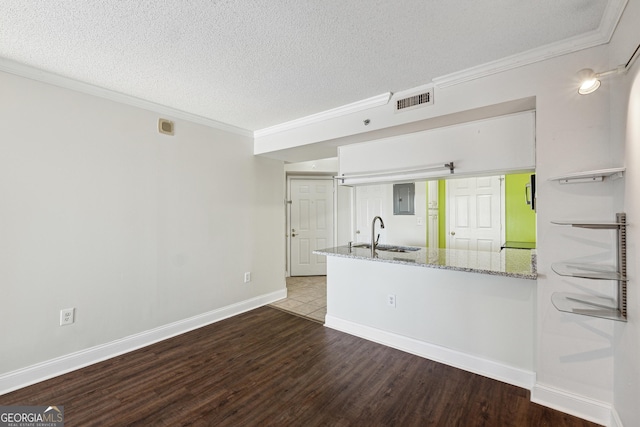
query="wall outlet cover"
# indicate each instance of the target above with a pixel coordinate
(391, 300)
(67, 316)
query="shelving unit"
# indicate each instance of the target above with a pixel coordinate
(606, 308)
(589, 176)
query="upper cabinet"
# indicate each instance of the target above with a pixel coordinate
(496, 145)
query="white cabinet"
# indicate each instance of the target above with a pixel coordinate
(505, 143)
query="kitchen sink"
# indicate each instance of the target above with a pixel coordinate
(387, 248)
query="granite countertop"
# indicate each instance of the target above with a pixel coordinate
(520, 263)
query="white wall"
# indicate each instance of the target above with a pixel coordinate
(574, 354)
(320, 166)
(344, 217)
(404, 229)
(459, 311)
(625, 115)
(135, 229)
(399, 229)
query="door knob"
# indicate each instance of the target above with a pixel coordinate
(453, 233)
(293, 234)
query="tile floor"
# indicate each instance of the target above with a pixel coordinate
(306, 296)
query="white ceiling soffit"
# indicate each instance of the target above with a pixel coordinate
(247, 65)
(329, 148)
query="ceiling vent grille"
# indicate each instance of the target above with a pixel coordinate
(425, 98)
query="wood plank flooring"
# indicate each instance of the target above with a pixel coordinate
(270, 368)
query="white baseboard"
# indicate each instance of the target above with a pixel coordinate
(477, 365)
(52, 368)
(615, 419)
(580, 406)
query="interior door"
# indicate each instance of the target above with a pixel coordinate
(475, 215)
(311, 225)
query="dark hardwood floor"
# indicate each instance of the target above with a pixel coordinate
(268, 367)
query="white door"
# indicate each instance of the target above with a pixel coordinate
(475, 213)
(369, 204)
(311, 225)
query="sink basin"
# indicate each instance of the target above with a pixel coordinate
(393, 249)
(362, 245)
(387, 248)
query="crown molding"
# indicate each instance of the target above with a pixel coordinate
(600, 36)
(354, 107)
(412, 91)
(33, 73)
(611, 17)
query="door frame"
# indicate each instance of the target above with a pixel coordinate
(287, 204)
(503, 228)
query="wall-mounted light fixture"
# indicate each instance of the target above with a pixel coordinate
(590, 80)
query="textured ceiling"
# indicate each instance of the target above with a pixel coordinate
(258, 63)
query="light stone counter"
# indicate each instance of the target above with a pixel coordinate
(520, 263)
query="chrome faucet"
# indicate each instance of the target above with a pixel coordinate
(374, 240)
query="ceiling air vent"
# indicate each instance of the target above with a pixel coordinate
(425, 98)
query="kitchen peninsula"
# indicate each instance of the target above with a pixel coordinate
(470, 309)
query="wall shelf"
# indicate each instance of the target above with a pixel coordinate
(587, 271)
(606, 308)
(589, 176)
(590, 224)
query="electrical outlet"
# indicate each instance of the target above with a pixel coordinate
(419, 221)
(391, 300)
(67, 316)
(247, 277)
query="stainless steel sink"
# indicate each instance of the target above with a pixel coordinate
(387, 248)
(362, 245)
